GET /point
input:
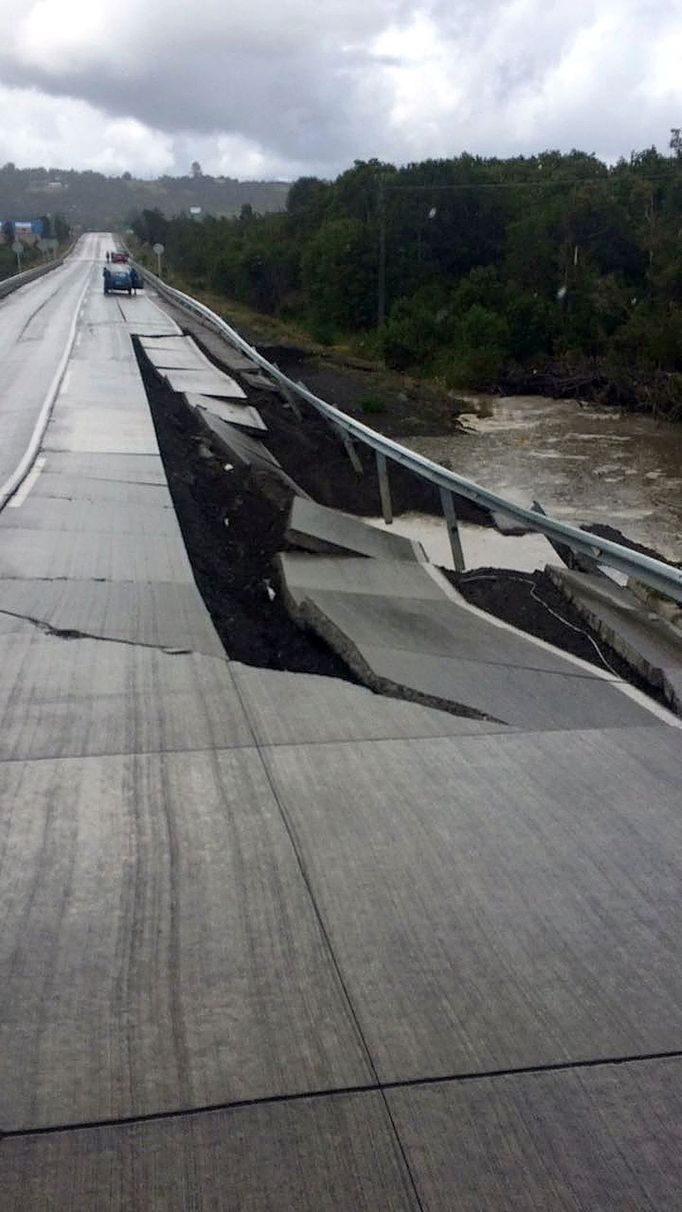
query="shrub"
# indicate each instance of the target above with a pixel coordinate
(371, 403)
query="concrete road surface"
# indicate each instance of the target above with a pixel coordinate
(270, 941)
(35, 327)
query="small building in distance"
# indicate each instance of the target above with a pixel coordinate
(29, 231)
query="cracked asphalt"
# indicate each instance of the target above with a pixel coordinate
(271, 941)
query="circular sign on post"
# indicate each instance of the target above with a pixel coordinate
(158, 249)
(17, 247)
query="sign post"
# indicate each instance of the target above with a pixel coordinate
(47, 246)
(18, 250)
(159, 249)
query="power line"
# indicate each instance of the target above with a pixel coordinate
(545, 184)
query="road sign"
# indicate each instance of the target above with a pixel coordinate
(17, 247)
(159, 249)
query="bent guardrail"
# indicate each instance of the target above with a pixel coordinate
(665, 578)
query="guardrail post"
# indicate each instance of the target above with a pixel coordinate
(350, 450)
(579, 560)
(291, 401)
(384, 488)
(450, 515)
(288, 396)
(666, 578)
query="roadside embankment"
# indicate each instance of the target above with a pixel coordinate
(234, 520)
(658, 392)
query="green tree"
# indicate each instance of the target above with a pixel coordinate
(150, 226)
(339, 274)
(62, 230)
(482, 345)
(416, 328)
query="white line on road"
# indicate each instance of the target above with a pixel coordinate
(22, 493)
(12, 483)
(642, 699)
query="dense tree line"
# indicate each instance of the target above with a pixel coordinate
(97, 202)
(460, 268)
(53, 227)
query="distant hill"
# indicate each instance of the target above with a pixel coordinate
(94, 201)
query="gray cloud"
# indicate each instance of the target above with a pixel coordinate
(281, 89)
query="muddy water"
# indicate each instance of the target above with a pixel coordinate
(582, 463)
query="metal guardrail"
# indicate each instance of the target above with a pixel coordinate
(7, 285)
(665, 578)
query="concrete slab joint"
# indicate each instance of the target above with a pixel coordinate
(403, 633)
(317, 528)
(649, 643)
(272, 941)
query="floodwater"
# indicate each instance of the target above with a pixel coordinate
(481, 545)
(582, 463)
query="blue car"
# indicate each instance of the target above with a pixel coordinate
(120, 277)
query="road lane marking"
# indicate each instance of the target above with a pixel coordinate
(13, 482)
(638, 696)
(24, 489)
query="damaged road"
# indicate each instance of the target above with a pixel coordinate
(257, 924)
(234, 526)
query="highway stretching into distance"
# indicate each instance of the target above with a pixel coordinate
(270, 941)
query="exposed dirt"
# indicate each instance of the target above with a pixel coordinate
(617, 536)
(657, 391)
(393, 404)
(315, 457)
(532, 602)
(233, 525)
(395, 407)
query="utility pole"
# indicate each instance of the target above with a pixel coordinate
(381, 281)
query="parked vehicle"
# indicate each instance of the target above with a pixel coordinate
(119, 277)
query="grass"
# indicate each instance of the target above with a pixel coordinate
(356, 351)
(372, 403)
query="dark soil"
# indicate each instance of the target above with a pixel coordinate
(315, 457)
(532, 602)
(393, 404)
(398, 409)
(233, 526)
(617, 536)
(658, 392)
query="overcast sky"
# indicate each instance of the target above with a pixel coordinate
(281, 88)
